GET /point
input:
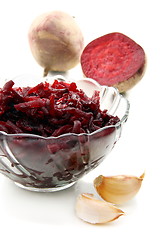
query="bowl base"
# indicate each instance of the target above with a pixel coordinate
(54, 189)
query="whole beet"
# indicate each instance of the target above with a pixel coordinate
(56, 41)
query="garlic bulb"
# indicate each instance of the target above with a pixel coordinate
(95, 211)
(118, 189)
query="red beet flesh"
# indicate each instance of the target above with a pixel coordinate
(112, 58)
(50, 110)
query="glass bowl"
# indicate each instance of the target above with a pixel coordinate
(49, 164)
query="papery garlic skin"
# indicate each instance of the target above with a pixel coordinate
(118, 189)
(95, 211)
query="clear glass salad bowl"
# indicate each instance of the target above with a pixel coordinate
(49, 164)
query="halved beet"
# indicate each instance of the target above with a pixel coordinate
(114, 60)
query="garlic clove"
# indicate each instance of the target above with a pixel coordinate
(118, 189)
(95, 211)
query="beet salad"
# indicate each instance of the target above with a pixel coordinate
(51, 110)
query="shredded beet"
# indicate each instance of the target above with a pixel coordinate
(112, 58)
(51, 110)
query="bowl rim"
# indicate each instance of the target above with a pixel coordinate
(61, 78)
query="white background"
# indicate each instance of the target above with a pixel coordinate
(29, 215)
